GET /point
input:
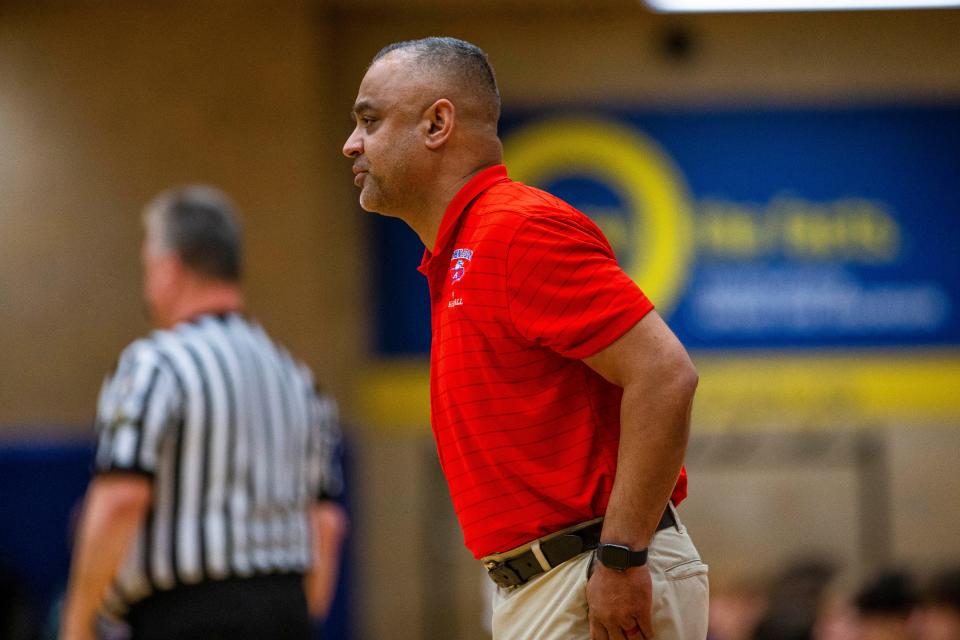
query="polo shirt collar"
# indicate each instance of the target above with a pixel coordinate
(467, 194)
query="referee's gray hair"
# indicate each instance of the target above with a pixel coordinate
(200, 225)
(467, 62)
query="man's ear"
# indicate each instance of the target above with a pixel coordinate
(173, 269)
(440, 118)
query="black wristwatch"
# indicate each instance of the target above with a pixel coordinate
(620, 557)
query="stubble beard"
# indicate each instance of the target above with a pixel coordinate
(391, 197)
(369, 200)
(374, 198)
(365, 203)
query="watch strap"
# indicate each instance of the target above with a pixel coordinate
(620, 557)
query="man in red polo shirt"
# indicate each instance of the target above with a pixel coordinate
(560, 401)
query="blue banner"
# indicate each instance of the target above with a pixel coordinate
(748, 229)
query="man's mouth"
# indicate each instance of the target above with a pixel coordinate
(359, 175)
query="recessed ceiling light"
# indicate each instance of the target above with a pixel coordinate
(712, 6)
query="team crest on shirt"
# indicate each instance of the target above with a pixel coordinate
(459, 262)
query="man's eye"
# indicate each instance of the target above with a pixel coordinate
(366, 120)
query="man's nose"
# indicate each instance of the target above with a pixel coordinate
(352, 147)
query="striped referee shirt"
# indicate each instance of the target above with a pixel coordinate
(238, 443)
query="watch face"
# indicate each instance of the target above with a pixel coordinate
(615, 556)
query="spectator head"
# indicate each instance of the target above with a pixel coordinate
(884, 606)
(939, 617)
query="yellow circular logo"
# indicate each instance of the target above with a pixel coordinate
(633, 167)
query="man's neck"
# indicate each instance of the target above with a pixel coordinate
(204, 298)
(427, 225)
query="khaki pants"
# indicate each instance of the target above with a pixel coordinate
(553, 605)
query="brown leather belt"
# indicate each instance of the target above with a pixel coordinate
(514, 568)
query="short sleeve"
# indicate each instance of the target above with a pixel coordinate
(565, 289)
(326, 473)
(136, 406)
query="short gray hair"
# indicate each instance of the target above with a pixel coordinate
(464, 61)
(200, 225)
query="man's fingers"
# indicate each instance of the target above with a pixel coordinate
(614, 632)
(597, 630)
(645, 631)
(646, 625)
(619, 605)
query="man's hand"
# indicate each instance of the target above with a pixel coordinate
(620, 603)
(658, 382)
(329, 523)
(77, 631)
(113, 511)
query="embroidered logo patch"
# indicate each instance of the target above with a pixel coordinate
(459, 262)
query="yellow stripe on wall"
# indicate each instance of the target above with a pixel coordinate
(827, 390)
(737, 392)
(395, 394)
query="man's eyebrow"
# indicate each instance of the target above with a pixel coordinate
(361, 105)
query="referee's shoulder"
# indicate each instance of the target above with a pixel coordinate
(302, 370)
(163, 341)
(143, 348)
(151, 350)
(143, 354)
(280, 349)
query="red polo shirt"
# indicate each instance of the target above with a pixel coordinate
(523, 286)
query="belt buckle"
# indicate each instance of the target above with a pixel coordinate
(504, 575)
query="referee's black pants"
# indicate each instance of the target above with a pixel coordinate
(259, 608)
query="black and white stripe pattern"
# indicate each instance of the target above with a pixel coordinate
(238, 443)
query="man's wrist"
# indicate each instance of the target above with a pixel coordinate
(78, 621)
(620, 557)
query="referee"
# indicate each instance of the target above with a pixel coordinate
(209, 513)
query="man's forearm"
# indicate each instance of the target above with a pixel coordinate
(112, 515)
(654, 427)
(329, 524)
